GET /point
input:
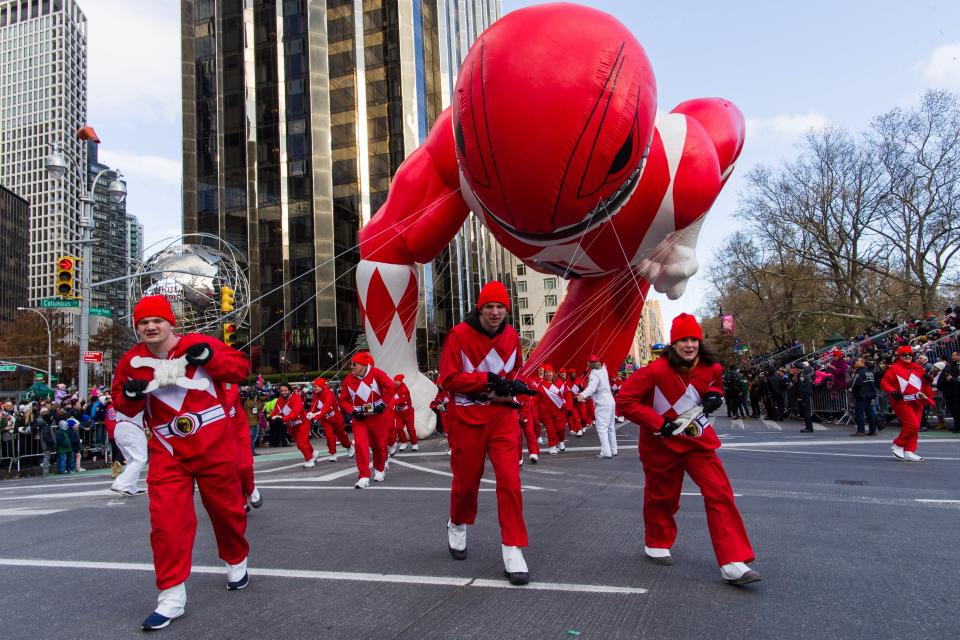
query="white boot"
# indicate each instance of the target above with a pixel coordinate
(561, 446)
(552, 451)
(362, 483)
(540, 440)
(534, 458)
(739, 573)
(309, 464)
(237, 577)
(657, 555)
(172, 602)
(514, 566)
(377, 476)
(352, 452)
(403, 447)
(332, 458)
(912, 457)
(415, 447)
(392, 449)
(457, 540)
(898, 452)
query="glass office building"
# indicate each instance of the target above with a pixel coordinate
(296, 114)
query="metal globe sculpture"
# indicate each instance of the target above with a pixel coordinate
(192, 276)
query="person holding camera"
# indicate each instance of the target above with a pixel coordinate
(478, 366)
(364, 395)
(670, 399)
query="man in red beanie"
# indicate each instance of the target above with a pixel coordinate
(909, 391)
(365, 394)
(178, 382)
(669, 400)
(289, 408)
(326, 409)
(403, 415)
(478, 366)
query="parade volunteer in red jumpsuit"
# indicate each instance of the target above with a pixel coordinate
(685, 376)
(238, 416)
(909, 392)
(478, 365)
(578, 418)
(326, 409)
(178, 384)
(403, 415)
(289, 408)
(527, 415)
(364, 395)
(552, 409)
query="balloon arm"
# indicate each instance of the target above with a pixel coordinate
(597, 316)
(424, 209)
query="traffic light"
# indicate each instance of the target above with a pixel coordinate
(229, 334)
(226, 299)
(66, 277)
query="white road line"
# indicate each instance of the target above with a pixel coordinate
(934, 501)
(376, 487)
(771, 424)
(843, 455)
(818, 427)
(55, 485)
(274, 469)
(351, 470)
(444, 581)
(433, 471)
(22, 511)
(697, 493)
(809, 442)
(69, 494)
(738, 424)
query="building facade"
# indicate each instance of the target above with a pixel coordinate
(296, 114)
(111, 255)
(538, 296)
(650, 331)
(43, 99)
(14, 252)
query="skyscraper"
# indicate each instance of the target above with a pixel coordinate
(110, 259)
(134, 252)
(296, 114)
(43, 97)
(14, 252)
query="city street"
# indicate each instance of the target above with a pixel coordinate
(850, 542)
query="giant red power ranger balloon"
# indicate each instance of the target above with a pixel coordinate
(554, 141)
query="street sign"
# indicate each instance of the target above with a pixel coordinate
(58, 303)
(101, 311)
(7, 368)
(93, 356)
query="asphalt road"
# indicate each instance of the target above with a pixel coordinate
(851, 543)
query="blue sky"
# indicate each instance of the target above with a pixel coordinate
(788, 66)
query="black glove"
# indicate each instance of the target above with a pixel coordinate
(896, 395)
(712, 401)
(358, 413)
(499, 385)
(520, 388)
(199, 354)
(134, 389)
(668, 428)
(379, 408)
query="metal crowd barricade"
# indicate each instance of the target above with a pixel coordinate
(828, 404)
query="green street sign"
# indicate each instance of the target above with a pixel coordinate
(7, 368)
(58, 303)
(100, 311)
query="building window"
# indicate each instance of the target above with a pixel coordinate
(521, 269)
(549, 283)
(521, 286)
(521, 303)
(528, 335)
(550, 301)
(550, 316)
(526, 320)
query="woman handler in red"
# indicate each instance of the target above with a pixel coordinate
(684, 377)
(909, 391)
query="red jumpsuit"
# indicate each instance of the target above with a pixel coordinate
(238, 416)
(573, 415)
(584, 409)
(552, 409)
(375, 389)
(483, 428)
(290, 410)
(527, 415)
(403, 414)
(191, 441)
(908, 380)
(653, 393)
(324, 408)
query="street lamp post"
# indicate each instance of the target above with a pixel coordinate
(49, 343)
(56, 166)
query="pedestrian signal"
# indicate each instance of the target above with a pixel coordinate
(226, 299)
(229, 334)
(66, 277)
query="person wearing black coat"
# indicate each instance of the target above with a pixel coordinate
(801, 384)
(949, 385)
(775, 389)
(864, 392)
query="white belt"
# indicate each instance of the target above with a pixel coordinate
(910, 397)
(187, 424)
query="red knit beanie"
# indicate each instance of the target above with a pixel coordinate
(320, 382)
(493, 291)
(153, 307)
(685, 326)
(398, 377)
(905, 350)
(548, 367)
(362, 357)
